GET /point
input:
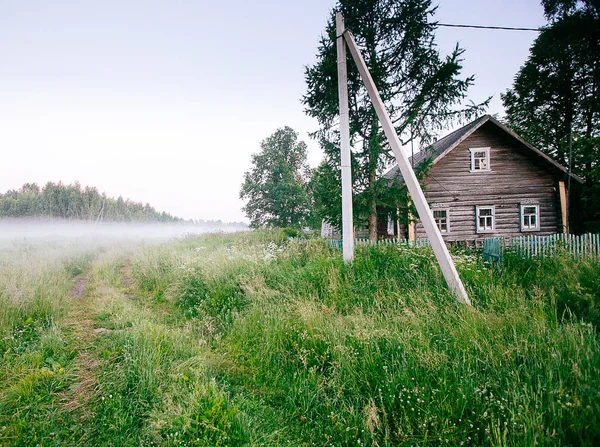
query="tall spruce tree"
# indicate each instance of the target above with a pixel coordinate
(421, 89)
(555, 99)
(276, 187)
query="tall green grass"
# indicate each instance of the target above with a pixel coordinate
(153, 380)
(379, 353)
(251, 339)
(35, 356)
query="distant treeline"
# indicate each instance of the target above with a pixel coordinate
(56, 200)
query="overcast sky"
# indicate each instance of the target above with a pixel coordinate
(165, 101)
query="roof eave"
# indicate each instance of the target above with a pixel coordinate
(484, 119)
(535, 149)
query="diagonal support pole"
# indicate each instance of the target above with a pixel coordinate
(433, 233)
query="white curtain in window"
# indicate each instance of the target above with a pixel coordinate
(390, 225)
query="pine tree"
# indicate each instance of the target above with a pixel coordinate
(421, 89)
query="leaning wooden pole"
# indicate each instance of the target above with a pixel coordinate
(433, 233)
(347, 221)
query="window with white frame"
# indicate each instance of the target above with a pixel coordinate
(480, 159)
(530, 217)
(486, 219)
(441, 219)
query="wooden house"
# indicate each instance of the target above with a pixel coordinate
(486, 181)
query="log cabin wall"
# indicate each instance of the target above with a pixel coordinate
(516, 176)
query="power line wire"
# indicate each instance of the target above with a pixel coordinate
(440, 183)
(504, 28)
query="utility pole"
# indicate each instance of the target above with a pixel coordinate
(347, 222)
(568, 204)
(416, 193)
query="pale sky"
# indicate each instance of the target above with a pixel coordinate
(165, 101)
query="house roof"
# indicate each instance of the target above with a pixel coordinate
(443, 146)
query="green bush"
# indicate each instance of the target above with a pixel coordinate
(289, 232)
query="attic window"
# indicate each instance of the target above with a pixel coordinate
(480, 159)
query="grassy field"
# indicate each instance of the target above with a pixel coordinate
(248, 339)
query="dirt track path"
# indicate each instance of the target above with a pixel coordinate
(85, 295)
(86, 298)
(80, 324)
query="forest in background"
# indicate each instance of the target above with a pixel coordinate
(57, 200)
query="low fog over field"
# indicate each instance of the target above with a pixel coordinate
(12, 230)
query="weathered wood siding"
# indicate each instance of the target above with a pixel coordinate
(516, 174)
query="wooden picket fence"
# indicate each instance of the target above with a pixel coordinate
(547, 246)
(493, 248)
(543, 246)
(360, 242)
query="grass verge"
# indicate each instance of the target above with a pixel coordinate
(251, 339)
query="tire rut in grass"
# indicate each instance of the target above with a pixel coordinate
(80, 321)
(87, 324)
(79, 290)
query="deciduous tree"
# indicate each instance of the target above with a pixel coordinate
(275, 186)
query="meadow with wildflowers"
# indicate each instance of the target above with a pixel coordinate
(254, 339)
